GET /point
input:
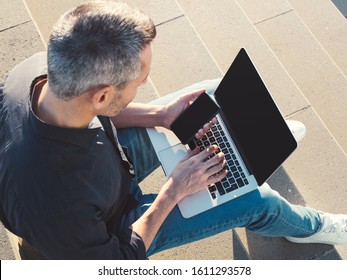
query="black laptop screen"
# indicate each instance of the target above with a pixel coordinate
(257, 126)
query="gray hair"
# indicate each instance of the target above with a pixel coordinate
(95, 44)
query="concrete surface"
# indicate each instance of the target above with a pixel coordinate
(342, 6)
(299, 50)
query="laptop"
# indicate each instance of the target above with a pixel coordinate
(251, 131)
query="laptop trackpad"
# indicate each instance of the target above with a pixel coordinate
(171, 156)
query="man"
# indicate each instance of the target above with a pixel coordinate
(68, 187)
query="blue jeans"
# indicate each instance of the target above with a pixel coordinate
(263, 211)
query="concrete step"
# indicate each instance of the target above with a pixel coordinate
(317, 67)
(342, 6)
(310, 65)
(328, 25)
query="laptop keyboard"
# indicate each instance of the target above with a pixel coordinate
(236, 177)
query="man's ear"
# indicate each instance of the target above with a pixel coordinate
(101, 97)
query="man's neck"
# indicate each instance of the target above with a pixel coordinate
(55, 111)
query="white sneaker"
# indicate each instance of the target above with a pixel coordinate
(297, 128)
(333, 231)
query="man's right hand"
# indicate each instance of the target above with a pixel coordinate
(193, 173)
(196, 171)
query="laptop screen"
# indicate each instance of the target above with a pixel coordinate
(256, 124)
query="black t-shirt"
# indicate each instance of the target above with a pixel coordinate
(62, 190)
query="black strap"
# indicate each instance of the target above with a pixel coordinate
(106, 123)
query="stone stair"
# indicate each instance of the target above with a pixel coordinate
(297, 46)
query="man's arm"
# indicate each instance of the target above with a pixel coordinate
(145, 115)
(140, 115)
(193, 173)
